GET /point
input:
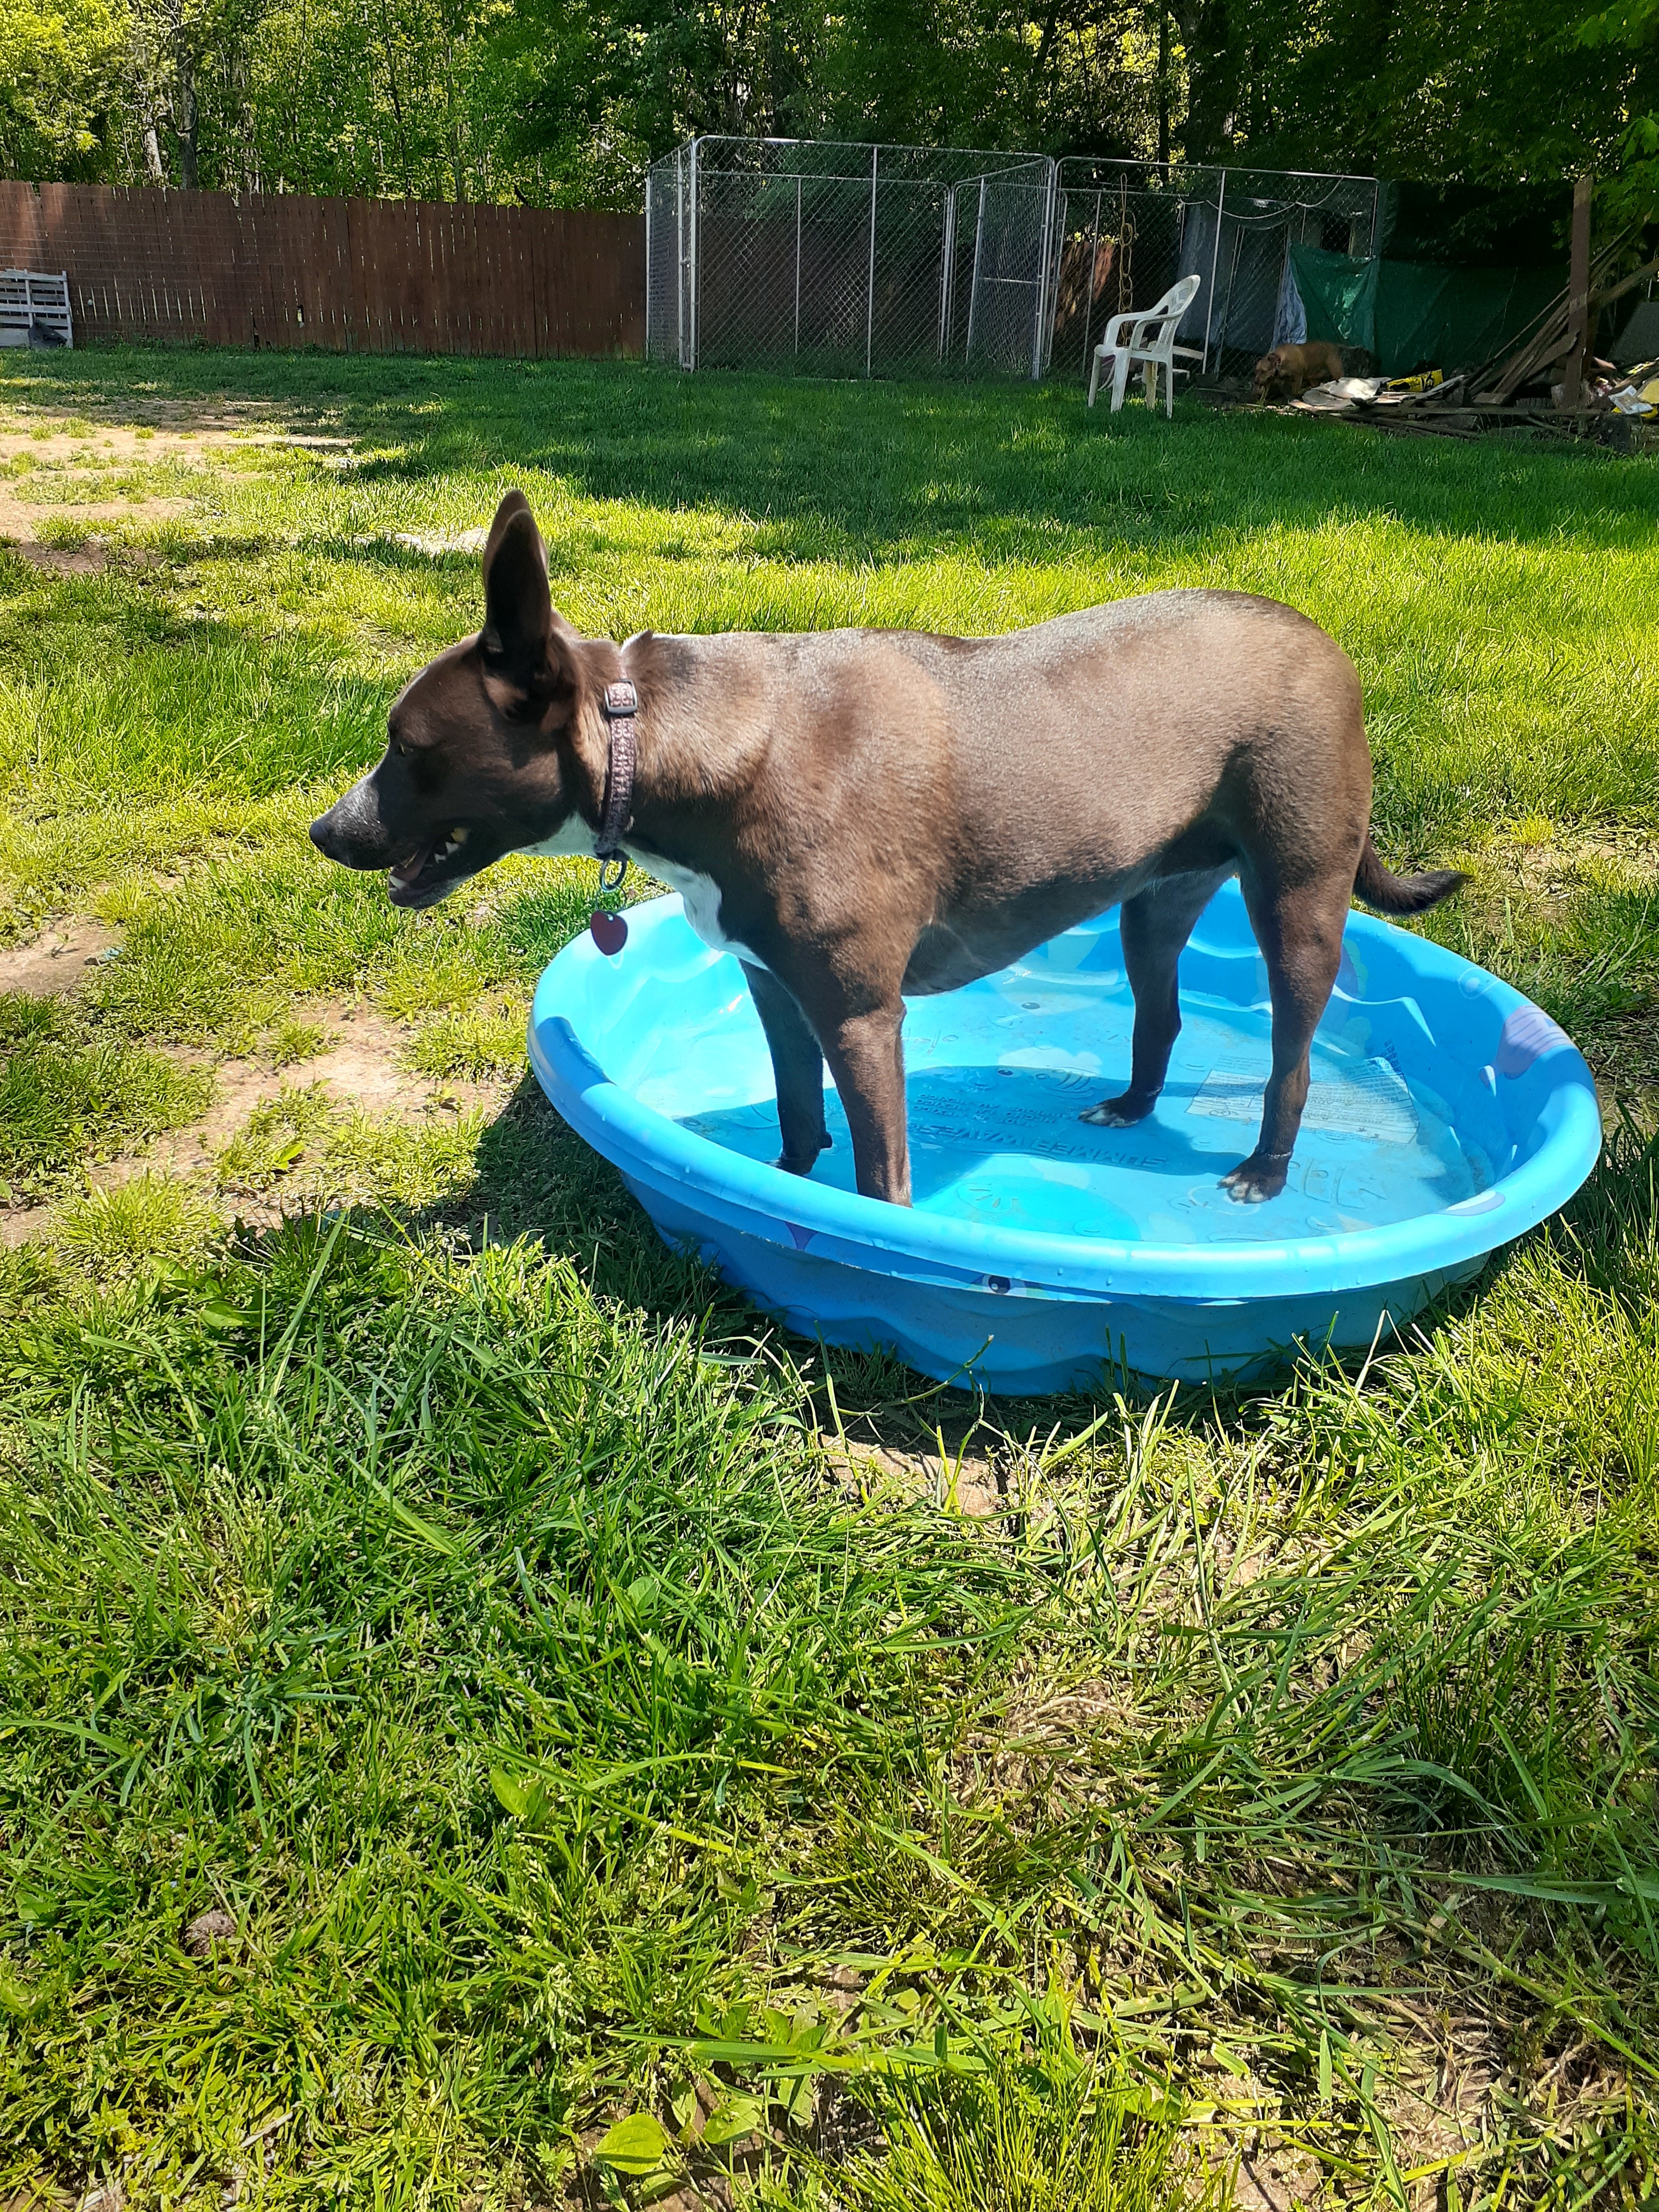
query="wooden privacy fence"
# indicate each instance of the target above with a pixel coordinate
(355, 276)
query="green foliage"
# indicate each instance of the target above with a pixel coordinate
(1634, 25)
(565, 101)
(1500, 93)
(60, 61)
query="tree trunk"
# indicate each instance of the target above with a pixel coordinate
(142, 59)
(1210, 39)
(184, 120)
(1039, 67)
(1163, 81)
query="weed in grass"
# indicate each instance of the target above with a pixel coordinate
(65, 1094)
(274, 1138)
(482, 1041)
(303, 1145)
(114, 1231)
(1048, 2132)
(293, 1040)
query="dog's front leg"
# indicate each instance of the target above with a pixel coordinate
(796, 1069)
(866, 1059)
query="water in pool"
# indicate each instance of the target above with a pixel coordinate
(999, 1074)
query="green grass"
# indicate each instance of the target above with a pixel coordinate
(618, 1780)
(68, 1094)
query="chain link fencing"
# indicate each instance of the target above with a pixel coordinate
(1127, 231)
(855, 260)
(850, 260)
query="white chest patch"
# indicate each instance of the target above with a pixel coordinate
(572, 841)
(701, 897)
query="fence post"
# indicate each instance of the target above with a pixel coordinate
(1577, 291)
(798, 268)
(682, 265)
(1042, 287)
(1215, 256)
(973, 288)
(1049, 275)
(696, 252)
(647, 264)
(870, 312)
(947, 272)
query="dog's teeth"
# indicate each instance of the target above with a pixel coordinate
(458, 837)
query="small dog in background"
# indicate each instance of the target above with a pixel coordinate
(1288, 371)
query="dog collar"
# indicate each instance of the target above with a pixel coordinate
(620, 704)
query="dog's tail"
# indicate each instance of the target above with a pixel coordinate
(1391, 894)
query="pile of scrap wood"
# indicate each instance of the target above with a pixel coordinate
(1526, 386)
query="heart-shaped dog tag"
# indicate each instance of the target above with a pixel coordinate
(610, 932)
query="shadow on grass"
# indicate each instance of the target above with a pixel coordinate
(831, 466)
(536, 1178)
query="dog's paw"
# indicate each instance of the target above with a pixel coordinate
(801, 1167)
(1255, 1179)
(1120, 1113)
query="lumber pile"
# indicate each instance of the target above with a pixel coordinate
(1524, 388)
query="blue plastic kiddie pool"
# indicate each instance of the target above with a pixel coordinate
(1447, 1114)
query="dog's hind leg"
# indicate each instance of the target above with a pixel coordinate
(1155, 925)
(796, 1067)
(1299, 930)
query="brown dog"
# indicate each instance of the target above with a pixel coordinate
(861, 815)
(1288, 370)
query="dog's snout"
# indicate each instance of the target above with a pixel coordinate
(333, 839)
(352, 832)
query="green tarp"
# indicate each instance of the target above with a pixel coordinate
(1407, 313)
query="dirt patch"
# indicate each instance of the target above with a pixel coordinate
(88, 560)
(22, 1225)
(55, 961)
(360, 1068)
(111, 411)
(434, 544)
(20, 518)
(59, 467)
(52, 443)
(975, 1485)
(1273, 2177)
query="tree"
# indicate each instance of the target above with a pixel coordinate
(549, 101)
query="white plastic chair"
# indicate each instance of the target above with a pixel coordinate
(1148, 337)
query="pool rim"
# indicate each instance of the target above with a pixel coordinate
(649, 1148)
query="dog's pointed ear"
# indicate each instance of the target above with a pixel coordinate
(517, 606)
(526, 643)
